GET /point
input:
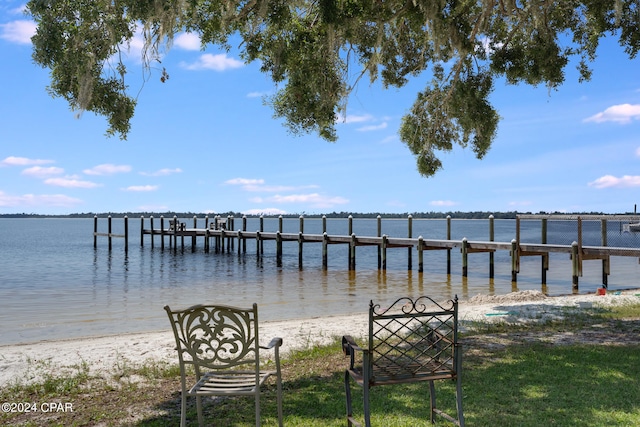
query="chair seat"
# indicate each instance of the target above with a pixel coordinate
(394, 373)
(232, 383)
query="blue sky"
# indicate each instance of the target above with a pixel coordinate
(204, 142)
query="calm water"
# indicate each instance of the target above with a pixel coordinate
(54, 284)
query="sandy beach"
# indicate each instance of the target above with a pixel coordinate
(105, 355)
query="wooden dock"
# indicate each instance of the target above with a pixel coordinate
(218, 234)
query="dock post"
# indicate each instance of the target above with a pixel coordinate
(216, 240)
(142, 230)
(206, 236)
(152, 232)
(222, 233)
(244, 228)
(261, 230)
(324, 223)
(349, 232)
(193, 238)
(575, 264)
(491, 254)
(384, 252)
(109, 231)
(448, 250)
(162, 232)
(580, 246)
(300, 240)
(325, 244)
(410, 249)
(420, 255)
(379, 221)
(126, 234)
(231, 225)
(258, 243)
(95, 230)
(175, 232)
(545, 256)
(605, 259)
(280, 226)
(514, 261)
(279, 248)
(352, 252)
(239, 241)
(465, 257)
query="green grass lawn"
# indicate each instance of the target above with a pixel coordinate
(527, 381)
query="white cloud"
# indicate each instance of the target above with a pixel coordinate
(355, 118)
(141, 188)
(18, 31)
(264, 211)
(37, 200)
(381, 126)
(133, 48)
(610, 181)
(40, 172)
(314, 199)
(70, 183)
(187, 41)
(244, 181)
(256, 185)
(623, 114)
(23, 161)
(107, 169)
(208, 61)
(389, 139)
(442, 203)
(162, 172)
(256, 94)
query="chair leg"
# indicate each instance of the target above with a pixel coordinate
(365, 397)
(432, 395)
(199, 410)
(257, 398)
(459, 401)
(347, 390)
(183, 411)
(279, 400)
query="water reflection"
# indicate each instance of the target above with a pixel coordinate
(103, 292)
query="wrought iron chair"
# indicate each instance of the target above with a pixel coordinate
(221, 344)
(410, 341)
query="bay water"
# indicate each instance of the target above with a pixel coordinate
(55, 285)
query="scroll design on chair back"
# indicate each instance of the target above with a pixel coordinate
(217, 336)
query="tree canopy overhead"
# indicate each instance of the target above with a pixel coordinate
(317, 51)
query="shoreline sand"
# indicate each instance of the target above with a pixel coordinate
(25, 363)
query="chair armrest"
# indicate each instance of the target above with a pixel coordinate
(275, 342)
(349, 348)
(437, 339)
(349, 344)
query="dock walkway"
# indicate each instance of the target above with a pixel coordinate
(219, 235)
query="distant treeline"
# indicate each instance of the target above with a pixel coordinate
(428, 215)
